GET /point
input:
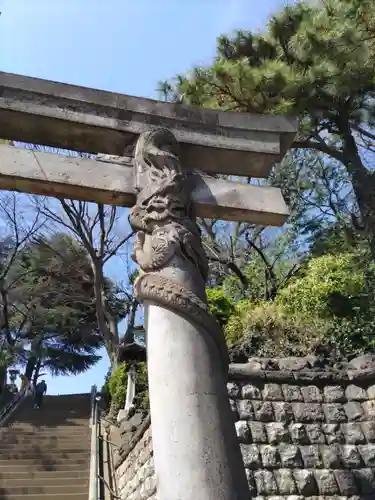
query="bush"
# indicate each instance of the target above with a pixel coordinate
(266, 329)
(221, 304)
(117, 385)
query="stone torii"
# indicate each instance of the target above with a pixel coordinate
(196, 452)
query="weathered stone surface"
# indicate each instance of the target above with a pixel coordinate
(277, 433)
(251, 456)
(270, 456)
(265, 482)
(311, 457)
(353, 433)
(368, 454)
(290, 456)
(283, 412)
(263, 411)
(330, 456)
(305, 481)
(292, 392)
(245, 409)
(285, 482)
(371, 391)
(369, 430)
(293, 364)
(369, 409)
(345, 481)
(326, 482)
(298, 434)
(243, 431)
(363, 362)
(315, 433)
(350, 456)
(257, 432)
(366, 481)
(308, 412)
(311, 394)
(355, 393)
(354, 411)
(251, 482)
(334, 394)
(250, 391)
(334, 412)
(234, 390)
(333, 433)
(272, 392)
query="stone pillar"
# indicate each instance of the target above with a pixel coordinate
(196, 452)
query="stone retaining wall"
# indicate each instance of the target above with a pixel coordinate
(306, 430)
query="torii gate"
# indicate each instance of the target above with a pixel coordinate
(196, 452)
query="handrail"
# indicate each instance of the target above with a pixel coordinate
(9, 408)
(94, 450)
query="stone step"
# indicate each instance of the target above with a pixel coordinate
(16, 468)
(79, 459)
(19, 473)
(31, 489)
(44, 481)
(38, 496)
(43, 453)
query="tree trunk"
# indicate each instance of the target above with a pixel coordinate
(363, 185)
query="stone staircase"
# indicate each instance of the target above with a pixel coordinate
(45, 454)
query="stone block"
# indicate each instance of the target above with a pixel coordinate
(311, 394)
(283, 412)
(263, 411)
(250, 391)
(363, 362)
(365, 481)
(334, 412)
(234, 390)
(334, 394)
(354, 411)
(355, 393)
(272, 392)
(148, 488)
(257, 432)
(315, 433)
(367, 452)
(243, 431)
(285, 482)
(350, 457)
(251, 482)
(326, 482)
(251, 456)
(277, 432)
(270, 456)
(353, 433)
(369, 430)
(371, 391)
(308, 412)
(298, 434)
(369, 409)
(290, 456)
(292, 392)
(305, 481)
(245, 409)
(293, 364)
(233, 407)
(311, 457)
(333, 433)
(345, 481)
(330, 456)
(265, 482)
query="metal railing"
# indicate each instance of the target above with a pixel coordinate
(8, 409)
(98, 486)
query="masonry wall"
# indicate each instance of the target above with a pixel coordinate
(306, 430)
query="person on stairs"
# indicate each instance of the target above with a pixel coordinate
(40, 390)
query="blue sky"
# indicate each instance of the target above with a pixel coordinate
(125, 46)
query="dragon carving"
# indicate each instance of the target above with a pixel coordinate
(168, 246)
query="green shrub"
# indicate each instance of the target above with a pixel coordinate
(221, 304)
(117, 384)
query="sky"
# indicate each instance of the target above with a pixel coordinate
(124, 46)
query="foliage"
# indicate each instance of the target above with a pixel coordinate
(115, 387)
(315, 60)
(221, 304)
